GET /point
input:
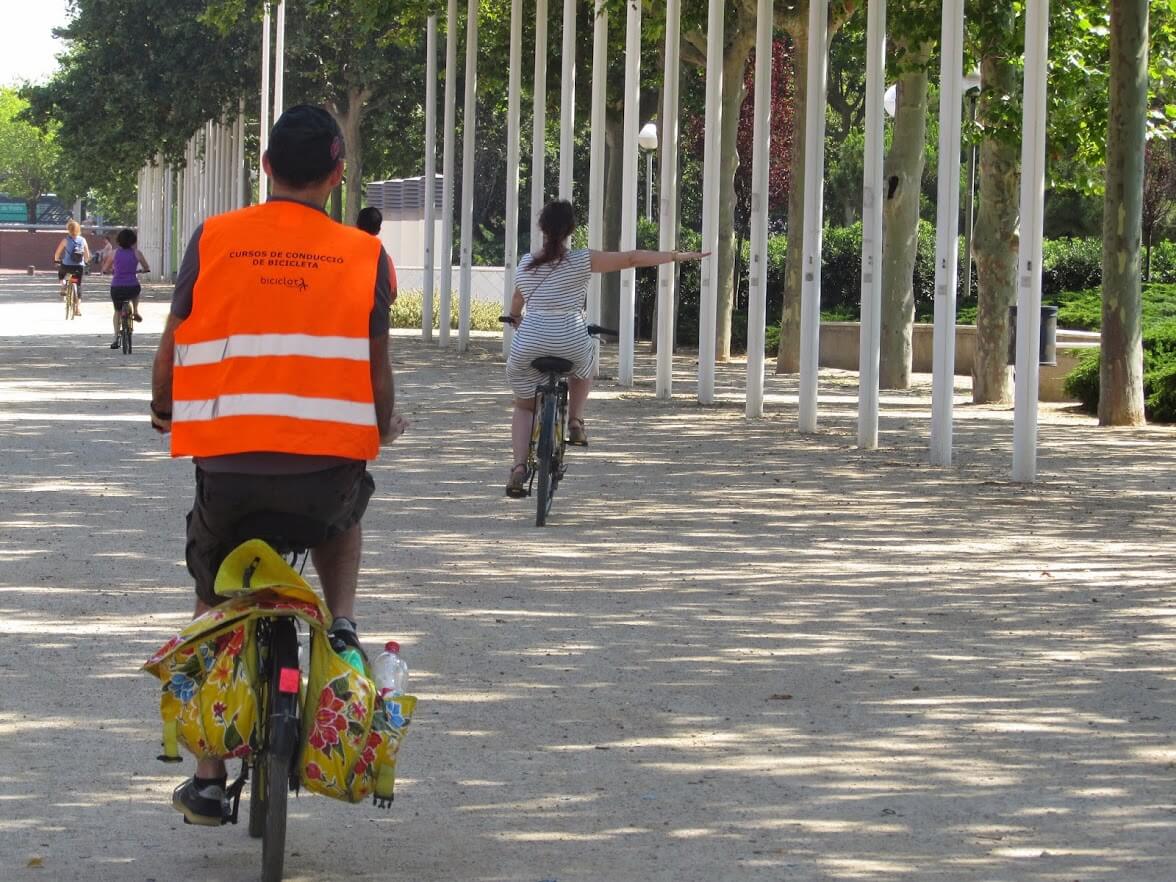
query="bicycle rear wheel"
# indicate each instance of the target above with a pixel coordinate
(281, 740)
(126, 333)
(70, 294)
(545, 459)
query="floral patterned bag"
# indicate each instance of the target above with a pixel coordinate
(350, 736)
(209, 702)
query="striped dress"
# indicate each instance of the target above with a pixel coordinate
(553, 323)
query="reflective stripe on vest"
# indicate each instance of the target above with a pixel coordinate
(295, 406)
(275, 355)
(255, 345)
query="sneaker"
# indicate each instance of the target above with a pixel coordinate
(117, 343)
(343, 634)
(137, 317)
(204, 806)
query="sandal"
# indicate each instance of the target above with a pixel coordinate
(516, 486)
(577, 437)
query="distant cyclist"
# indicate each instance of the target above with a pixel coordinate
(71, 256)
(125, 261)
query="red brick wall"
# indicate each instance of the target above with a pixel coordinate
(20, 249)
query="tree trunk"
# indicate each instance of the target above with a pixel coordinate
(904, 178)
(788, 353)
(31, 209)
(994, 239)
(335, 204)
(349, 121)
(735, 59)
(1120, 401)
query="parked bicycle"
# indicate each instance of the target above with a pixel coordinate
(545, 457)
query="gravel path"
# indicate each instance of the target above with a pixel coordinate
(737, 653)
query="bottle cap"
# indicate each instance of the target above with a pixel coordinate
(392, 646)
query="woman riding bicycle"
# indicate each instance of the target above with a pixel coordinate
(126, 260)
(71, 255)
(553, 284)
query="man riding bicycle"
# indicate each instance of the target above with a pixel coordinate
(273, 374)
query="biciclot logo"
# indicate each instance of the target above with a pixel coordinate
(285, 282)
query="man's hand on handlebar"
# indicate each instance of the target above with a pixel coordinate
(396, 427)
(161, 420)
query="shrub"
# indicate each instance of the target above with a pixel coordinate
(1070, 265)
(406, 312)
(1081, 310)
(1159, 375)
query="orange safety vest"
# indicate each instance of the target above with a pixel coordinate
(275, 355)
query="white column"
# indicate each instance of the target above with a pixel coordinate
(539, 131)
(469, 126)
(628, 153)
(709, 293)
(567, 101)
(263, 112)
(445, 251)
(947, 240)
(869, 343)
(1029, 258)
(280, 60)
(596, 151)
(810, 298)
(242, 177)
(430, 177)
(757, 283)
(668, 198)
(164, 270)
(511, 251)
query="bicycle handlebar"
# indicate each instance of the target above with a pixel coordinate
(593, 330)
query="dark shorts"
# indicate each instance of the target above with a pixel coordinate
(78, 272)
(120, 294)
(334, 498)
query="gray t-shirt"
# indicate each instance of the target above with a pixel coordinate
(262, 463)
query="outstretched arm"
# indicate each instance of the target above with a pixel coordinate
(612, 261)
(142, 260)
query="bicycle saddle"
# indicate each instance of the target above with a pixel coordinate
(286, 532)
(550, 364)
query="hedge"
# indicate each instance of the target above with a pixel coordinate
(1159, 375)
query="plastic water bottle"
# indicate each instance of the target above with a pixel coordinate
(390, 671)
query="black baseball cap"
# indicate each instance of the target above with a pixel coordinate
(305, 145)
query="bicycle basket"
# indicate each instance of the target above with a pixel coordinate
(351, 736)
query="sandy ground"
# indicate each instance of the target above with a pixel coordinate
(737, 653)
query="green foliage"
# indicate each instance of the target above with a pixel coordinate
(1080, 310)
(1159, 374)
(1076, 265)
(29, 156)
(407, 312)
(1070, 265)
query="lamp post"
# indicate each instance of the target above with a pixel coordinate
(647, 141)
(972, 93)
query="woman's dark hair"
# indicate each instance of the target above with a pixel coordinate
(557, 220)
(126, 238)
(369, 220)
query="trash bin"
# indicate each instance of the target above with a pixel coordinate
(1047, 348)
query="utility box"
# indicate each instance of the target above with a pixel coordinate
(402, 202)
